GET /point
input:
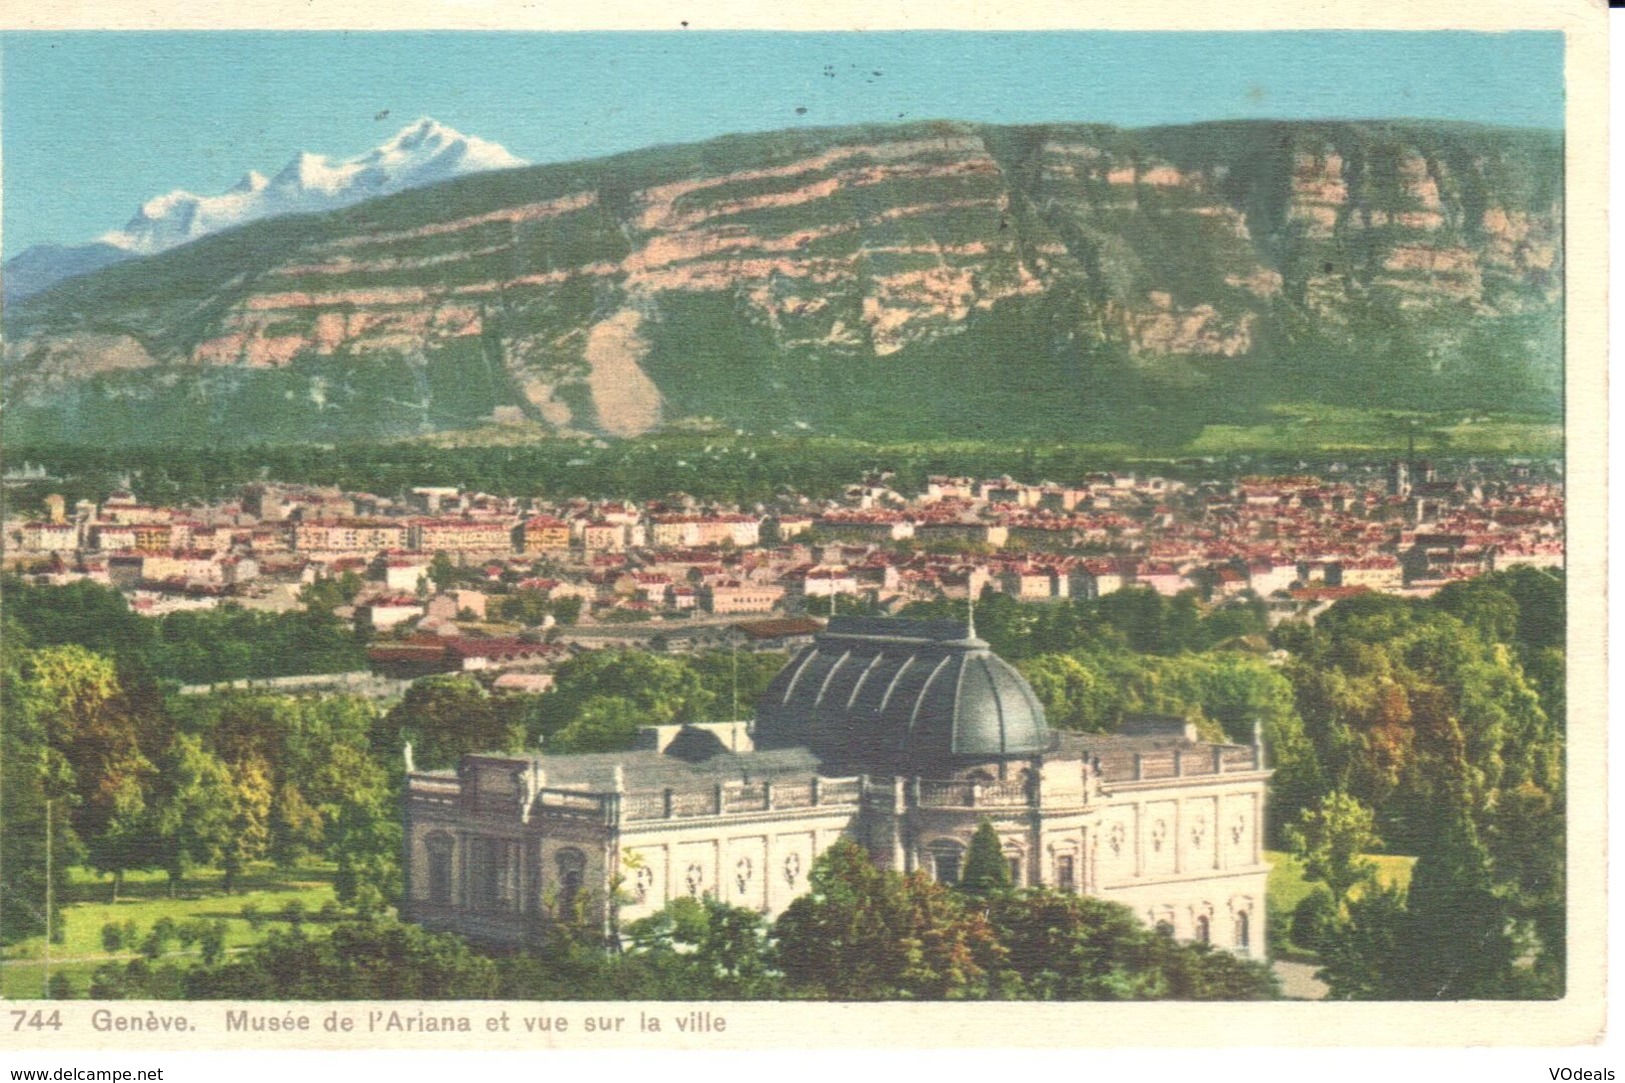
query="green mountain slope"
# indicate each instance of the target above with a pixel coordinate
(912, 281)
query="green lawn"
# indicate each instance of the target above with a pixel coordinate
(144, 900)
(1287, 888)
(1296, 427)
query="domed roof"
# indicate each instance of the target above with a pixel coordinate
(901, 696)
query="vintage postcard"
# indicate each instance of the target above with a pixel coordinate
(726, 532)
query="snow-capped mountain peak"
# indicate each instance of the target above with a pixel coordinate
(252, 181)
(309, 173)
(425, 131)
(424, 152)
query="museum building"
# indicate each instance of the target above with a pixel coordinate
(901, 735)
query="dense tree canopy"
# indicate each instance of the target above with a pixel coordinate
(366, 960)
(601, 698)
(191, 646)
(1445, 718)
(866, 934)
(444, 716)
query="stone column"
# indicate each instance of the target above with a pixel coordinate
(1035, 869)
(461, 897)
(407, 878)
(1139, 837)
(1179, 829)
(1258, 828)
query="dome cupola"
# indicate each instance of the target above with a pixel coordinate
(901, 696)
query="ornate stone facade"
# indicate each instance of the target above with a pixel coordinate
(902, 735)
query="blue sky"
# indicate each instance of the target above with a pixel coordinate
(94, 123)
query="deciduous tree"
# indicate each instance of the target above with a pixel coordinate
(862, 933)
(1332, 841)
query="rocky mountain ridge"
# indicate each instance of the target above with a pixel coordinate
(930, 278)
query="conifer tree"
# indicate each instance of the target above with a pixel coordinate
(1461, 945)
(985, 867)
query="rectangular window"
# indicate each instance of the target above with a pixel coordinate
(1066, 875)
(440, 870)
(490, 884)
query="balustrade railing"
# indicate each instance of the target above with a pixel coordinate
(570, 801)
(746, 798)
(792, 794)
(961, 793)
(1174, 763)
(644, 806)
(436, 792)
(694, 804)
(839, 791)
(737, 797)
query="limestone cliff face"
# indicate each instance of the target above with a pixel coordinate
(615, 297)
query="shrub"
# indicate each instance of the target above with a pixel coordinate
(109, 982)
(212, 941)
(163, 934)
(1314, 920)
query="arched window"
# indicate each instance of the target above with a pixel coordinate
(439, 845)
(947, 858)
(491, 883)
(1204, 930)
(572, 865)
(1012, 858)
(1066, 872)
(1243, 931)
(1166, 928)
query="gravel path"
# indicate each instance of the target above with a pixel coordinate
(1298, 981)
